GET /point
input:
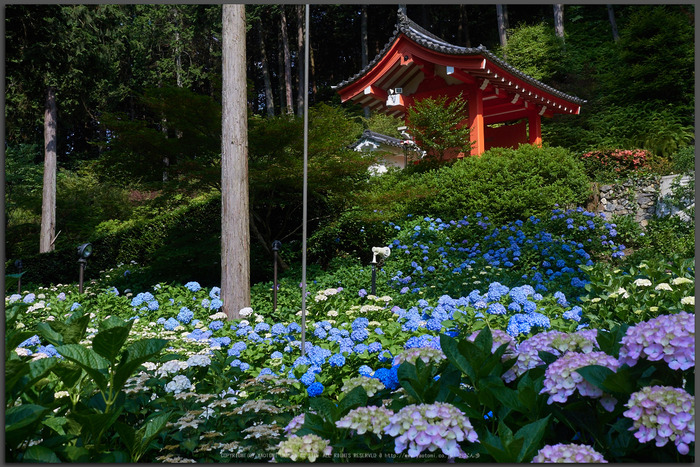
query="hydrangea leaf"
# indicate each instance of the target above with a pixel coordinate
(109, 342)
(355, 398)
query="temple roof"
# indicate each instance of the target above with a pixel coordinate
(492, 66)
(378, 138)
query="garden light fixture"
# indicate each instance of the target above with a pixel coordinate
(377, 250)
(84, 252)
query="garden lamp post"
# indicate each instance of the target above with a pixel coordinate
(18, 265)
(377, 250)
(276, 245)
(84, 251)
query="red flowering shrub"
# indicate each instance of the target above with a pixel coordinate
(615, 163)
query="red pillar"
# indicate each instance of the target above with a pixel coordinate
(534, 128)
(476, 121)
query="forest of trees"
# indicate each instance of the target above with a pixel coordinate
(130, 95)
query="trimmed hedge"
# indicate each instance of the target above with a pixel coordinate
(147, 242)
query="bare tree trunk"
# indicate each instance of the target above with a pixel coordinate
(287, 62)
(178, 48)
(364, 44)
(559, 20)
(300, 60)
(613, 23)
(48, 199)
(501, 14)
(463, 26)
(269, 99)
(280, 72)
(235, 230)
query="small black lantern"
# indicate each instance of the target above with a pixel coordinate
(276, 245)
(382, 251)
(84, 252)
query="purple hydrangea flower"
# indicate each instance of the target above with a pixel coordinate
(670, 338)
(568, 453)
(417, 428)
(663, 414)
(561, 379)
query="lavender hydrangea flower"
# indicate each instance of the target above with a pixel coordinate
(663, 414)
(556, 342)
(561, 379)
(418, 428)
(568, 453)
(295, 424)
(371, 419)
(670, 338)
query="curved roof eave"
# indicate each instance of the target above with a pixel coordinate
(430, 41)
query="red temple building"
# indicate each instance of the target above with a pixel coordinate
(416, 64)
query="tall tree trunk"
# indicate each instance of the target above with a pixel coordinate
(559, 20)
(287, 62)
(463, 26)
(269, 99)
(613, 23)
(300, 60)
(364, 45)
(280, 72)
(501, 14)
(48, 199)
(178, 48)
(235, 230)
(312, 71)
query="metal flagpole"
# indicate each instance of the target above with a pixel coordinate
(306, 162)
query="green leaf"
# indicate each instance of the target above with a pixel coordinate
(136, 354)
(76, 454)
(452, 352)
(148, 432)
(531, 434)
(355, 398)
(94, 423)
(22, 415)
(127, 434)
(109, 342)
(56, 423)
(68, 373)
(114, 322)
(88, 360)
(49, 334)
(325, 408)
(40, 454)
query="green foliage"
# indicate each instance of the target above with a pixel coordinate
(656, 58)
(506, 184)
(385, 125)
(437, 126)
(536, 51)
(683, 160)
(641, 292)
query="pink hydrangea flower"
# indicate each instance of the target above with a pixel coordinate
(663, 414)
(417, 428)
(555, 342)
(568, 453)
(670, 338)
(561, 379)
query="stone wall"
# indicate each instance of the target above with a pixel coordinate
(638, 197)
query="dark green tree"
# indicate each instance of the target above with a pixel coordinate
(438, 126)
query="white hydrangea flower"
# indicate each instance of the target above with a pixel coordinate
(663, 286)
(681, 280)
(642, 283)
(688, 300)
(247, 311)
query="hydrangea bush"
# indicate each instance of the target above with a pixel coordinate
(482, 343)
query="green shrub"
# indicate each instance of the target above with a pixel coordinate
(505, 184)
(536, 51)
(683, 161)
(613, 164)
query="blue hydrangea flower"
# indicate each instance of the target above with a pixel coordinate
(215, 292)
(337, 360)
(496, 309)
(388, 376)
(359, 348)
(34, 340)
(276, 355)
(315, 389)
(75, 306)
(29, 298)
(215, 304)
(365, 370)
(216, 325)
(185, 315)
(193, 286)
(359, 335)
(171, 324)
(308, 378)
(574, 314)
(244, 366)
(278, 329)
(362, 293)
(374, 347)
